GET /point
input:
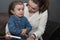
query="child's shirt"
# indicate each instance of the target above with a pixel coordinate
(16, 25)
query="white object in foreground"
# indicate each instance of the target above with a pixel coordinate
(14, 36)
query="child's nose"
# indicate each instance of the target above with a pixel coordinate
(21, 10)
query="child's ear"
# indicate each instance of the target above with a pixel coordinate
(12, 11)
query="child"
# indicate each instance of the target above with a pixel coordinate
(18, 24)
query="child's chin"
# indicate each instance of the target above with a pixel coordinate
(20, 15)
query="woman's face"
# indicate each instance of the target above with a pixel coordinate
(32, 6)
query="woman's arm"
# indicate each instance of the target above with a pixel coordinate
(7, 33)
(7, 29)
(42, 25)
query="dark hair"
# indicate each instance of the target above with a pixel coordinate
(12, 6)
(43, 4)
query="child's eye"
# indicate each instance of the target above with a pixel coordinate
(18, 9)
(23, 9)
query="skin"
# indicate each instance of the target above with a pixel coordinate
(18, 10)
(32, 7)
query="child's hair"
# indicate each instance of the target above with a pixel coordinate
(12, 6)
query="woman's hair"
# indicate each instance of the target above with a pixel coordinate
(12, 6)
(43, 4)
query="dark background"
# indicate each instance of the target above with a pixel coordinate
(54, 8)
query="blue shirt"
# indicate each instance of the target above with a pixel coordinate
(16, 25)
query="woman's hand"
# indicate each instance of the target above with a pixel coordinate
(31, 37)
(8, 37)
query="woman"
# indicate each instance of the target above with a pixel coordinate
(36, 13)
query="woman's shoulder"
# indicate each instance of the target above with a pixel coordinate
(25, 3)
(45, 13)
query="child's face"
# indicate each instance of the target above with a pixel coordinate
(18, 10)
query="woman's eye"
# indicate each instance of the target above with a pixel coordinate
(33, 8)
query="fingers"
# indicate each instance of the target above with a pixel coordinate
(7, 36)
(30, 37)
(23, 32)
